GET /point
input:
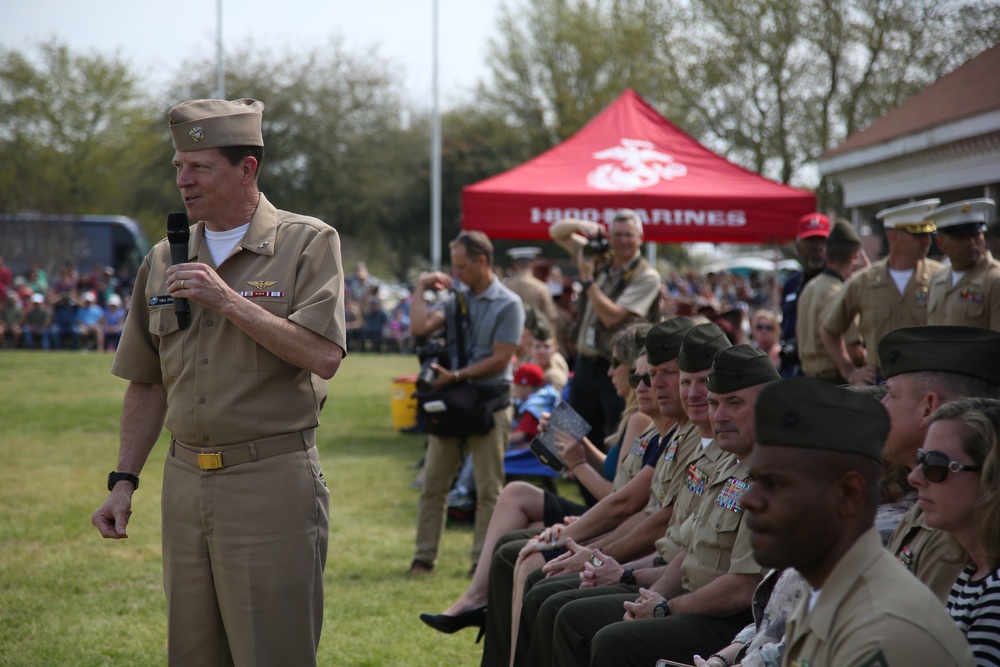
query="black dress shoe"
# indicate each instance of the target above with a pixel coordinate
(449, 624)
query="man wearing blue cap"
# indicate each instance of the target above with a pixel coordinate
(968, 291)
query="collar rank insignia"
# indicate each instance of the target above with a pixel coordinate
(261, 284)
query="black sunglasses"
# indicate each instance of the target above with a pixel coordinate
(634, 380)
(936, 465)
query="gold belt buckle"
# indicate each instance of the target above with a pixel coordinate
(210, 461)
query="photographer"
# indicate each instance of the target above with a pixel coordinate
(619, 287)
(493, 321)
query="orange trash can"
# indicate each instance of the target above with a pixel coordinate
(404, 406)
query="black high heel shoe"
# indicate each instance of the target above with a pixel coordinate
(449, 624)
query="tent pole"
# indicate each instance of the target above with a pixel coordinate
(651, 253)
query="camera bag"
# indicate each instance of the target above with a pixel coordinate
(460, 409)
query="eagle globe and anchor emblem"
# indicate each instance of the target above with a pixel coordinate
(641, 166)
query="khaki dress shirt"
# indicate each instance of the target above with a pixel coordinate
(817, 295)
(223, 387)
(974, 301)
(872, 296)
(927, 552)
(872, 613)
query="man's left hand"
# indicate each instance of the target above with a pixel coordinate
(643, 606)
(609, 572)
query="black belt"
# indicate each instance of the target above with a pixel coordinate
(214, 458)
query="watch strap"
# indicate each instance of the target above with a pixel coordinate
(115, 477)
(628, 577)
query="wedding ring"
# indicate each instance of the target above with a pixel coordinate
(182, 284)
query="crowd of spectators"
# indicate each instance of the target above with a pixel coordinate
(72, 311)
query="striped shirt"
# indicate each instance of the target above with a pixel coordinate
(975, 608)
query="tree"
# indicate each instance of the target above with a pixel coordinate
(557, 63)
(72, 130)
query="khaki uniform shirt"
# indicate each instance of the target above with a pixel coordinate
(719, 543)
(680, 448)
(872, 613)
(926, 552)
(637, 297)
(692, 484)
(222, 387)
(974, 301)
(872, 295)
(819, 293)
(632, 463)
(534, 293)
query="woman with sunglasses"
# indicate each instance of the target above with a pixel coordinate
(764, 334)
(958, 480)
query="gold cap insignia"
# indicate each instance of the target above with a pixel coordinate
(966, 208)
(261, 284)
(197, 134)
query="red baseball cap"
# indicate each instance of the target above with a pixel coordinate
(529, 374)
(814, 224)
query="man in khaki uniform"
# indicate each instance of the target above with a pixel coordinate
(817, 472)
(700, 598)
(533, 292)
(617, 289)
(245, 505)
(843, 256)
(888, 295)
(968, 291)
(925, 368)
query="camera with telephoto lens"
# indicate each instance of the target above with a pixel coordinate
(597, 246)
(431, 353)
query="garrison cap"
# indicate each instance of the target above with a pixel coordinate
(541, 330)
(950, 349)
(664, 340)
(700, 346)
(964, 217)
(739, 367)
(843, 232)
(201, 124)
(912, 218)
(810, 413)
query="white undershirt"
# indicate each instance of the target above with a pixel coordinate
(901, 278)
(813, 599)
(705, 442)
(221, 244)
(956, 276)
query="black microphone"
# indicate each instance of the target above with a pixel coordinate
(178, 234)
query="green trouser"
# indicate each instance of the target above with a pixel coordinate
(542, 605)
(591, 631)
(496, 648)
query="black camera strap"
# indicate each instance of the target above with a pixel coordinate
(461, 321)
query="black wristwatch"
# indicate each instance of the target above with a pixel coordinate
(585, 285)
(661, 610)
(115, 477)
(628, 577)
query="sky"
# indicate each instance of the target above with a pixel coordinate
(156, 36)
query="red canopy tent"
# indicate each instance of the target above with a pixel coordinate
(629, 156)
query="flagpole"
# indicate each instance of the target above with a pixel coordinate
(435, 157)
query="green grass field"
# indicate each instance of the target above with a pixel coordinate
(68, 597)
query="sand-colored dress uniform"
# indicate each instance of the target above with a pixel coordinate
(534, 294)
(872, 296)
(817, 295)
(871, 612)
(927, 552)
(717, 543)
(973, 301)
(231, 532)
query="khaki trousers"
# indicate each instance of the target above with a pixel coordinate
(443, 459)
(244, 549)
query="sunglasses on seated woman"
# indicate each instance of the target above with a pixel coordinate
(936, 465)
(634, 380)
